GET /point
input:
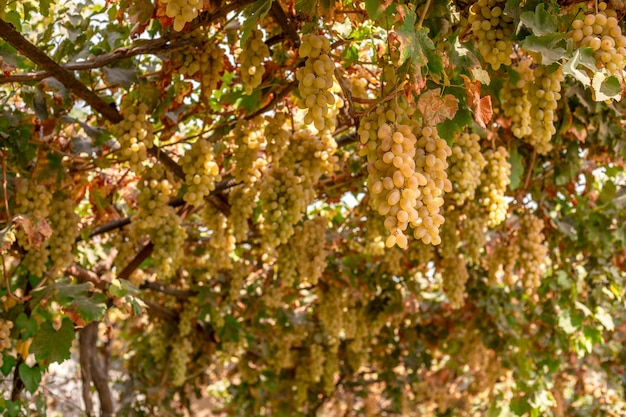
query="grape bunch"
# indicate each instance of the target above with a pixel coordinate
(65, 225)
(284, 198)
(182, 11)
(242, 199)
(492, 30)
(501, 261)
(601, 32)
(253, 53)
(221, 244)
(5, 333)
(304, 255)
(454, 277)
(204, 60)
(33, 200)
(466, 165)
(201, 172)
(135, 135)
(515, 98)
(431, 162)
(473, 232)
(533, 252)
(179, 359)
(316, 79)
(249, 161)
(393, 183)
(494, 181)
(277, 137)
(311, 156)
(544, 94)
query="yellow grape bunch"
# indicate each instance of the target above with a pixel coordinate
(65, 225)
(515, 98)
(533, 252)
(492, 30)
(494, 181)
(600, 31)
(250, 162)
(544, 94)
(182, 11)
(316, 79)
(201, 172)
(466, 164)
(253, 52)
(135, 135)
(5, 337)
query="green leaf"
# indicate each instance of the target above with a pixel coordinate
(605, 319)
(571, 67)
(410, 47)
(568, 323)
(540, 22)
(90, 308)
(517, 168)
(551, 47)
(8, 363)
(520, 406)
(50, 345)
(44, 7)
(15, 19)
(606, 88)
(450, 128)
(31, 377)
(26, 325)
(256, 11)
(372, 7)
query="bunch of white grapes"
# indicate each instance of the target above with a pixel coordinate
(135, 135)
(494, 181)
(316, 79)
(182, 11)
(466, 165)
(601, 32)
(201, 172)
(253, 52)
(492, 30)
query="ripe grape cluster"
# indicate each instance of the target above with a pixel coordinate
(204, 60)
(492, 30)
(201, 172)
(222, 242)
(454, 277)
(5, 333)
(393, 183)
(253, 53)
(32, 200)
(494, 181)
(135, 135)
(544, 94)
(182, 11)
(316, 79)
(515, 98)
(532, 252)
(473, 229)
(242, 199)
(249, 160)
(501, 261)
(277, 137)
(466, 165)
(304, 255)
(65, 225)
(601, 32)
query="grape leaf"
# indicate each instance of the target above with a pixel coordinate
(31, 377)
(606, 88)
(580, 57)
(50, 345)
(483, 110)
(517, 168)
(551, 47)
(435, 108)
(257, 11)
(540, 22)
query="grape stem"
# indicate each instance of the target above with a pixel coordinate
(423, 16)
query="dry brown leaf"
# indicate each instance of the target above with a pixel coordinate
(435, 109)
(483, 110)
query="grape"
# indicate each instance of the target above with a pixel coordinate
(201, 172)
(179, 359)
(5, 333)
(249, 161)
(501, 261)
(242, 199)
(304, 255)
(135, 135)
(222, 242)
(533, 252)
(494, 181)
(492, 30)
(544, 94)
(65, 225)
(182, 11)
(466, 165)
(454, 277)
(601, 32)
(515, 99)
(473, 229)
(277, 137)
(252, 55)
(316, 79)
